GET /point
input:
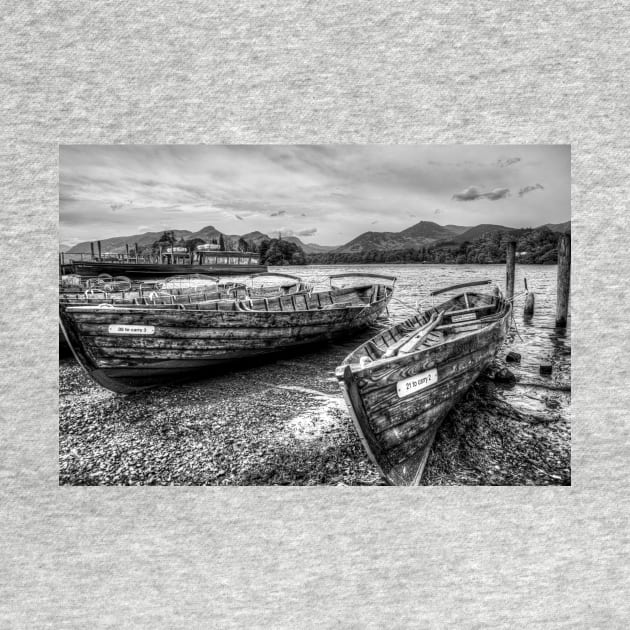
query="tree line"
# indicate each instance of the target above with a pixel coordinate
(533, 246)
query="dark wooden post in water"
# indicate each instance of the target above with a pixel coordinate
(92, 250)
(564, 280)
(100, 253)
(127, 250)
(528, 310)
(510, 269)
(136, 246)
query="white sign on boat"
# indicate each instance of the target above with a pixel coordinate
(416, 383)
(120, 329)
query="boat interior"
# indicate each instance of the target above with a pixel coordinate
(176, 290)
(457, 317)
(293, 302)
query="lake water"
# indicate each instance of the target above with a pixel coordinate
(536, 339)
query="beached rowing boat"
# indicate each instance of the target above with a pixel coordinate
(177, 290)
(400, 385)
(130, 347)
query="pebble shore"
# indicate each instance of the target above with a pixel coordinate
(284, 422)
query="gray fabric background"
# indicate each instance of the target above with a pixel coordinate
(334, 72)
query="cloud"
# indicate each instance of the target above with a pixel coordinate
(278, 214)
(498, 193)
(473, 193)
(526, 189)
(307, 232)
(284, 231)
(507, 162)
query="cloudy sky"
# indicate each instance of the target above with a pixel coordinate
(323, 194)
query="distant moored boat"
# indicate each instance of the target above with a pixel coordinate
(199, 262)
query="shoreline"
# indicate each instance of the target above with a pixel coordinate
(285, 423)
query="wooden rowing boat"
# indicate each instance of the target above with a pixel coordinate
(184, 290)
(400, 385)
(130, 347)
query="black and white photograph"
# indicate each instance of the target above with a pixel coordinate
(344, 315)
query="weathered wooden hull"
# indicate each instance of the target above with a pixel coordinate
(173, 343)
(397, 428)
(183, 295)
(160, 270)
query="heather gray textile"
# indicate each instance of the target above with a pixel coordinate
(278, 72)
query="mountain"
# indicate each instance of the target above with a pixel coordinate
(418, 235)
(209, 234)
(458, 229)
(374, 241)
(255, 237)
(478, 231)
(427, 230)
(117, 244)
(309, 248)
(559, 227)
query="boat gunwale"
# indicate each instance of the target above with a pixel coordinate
(360, 371)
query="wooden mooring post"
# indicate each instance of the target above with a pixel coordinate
(564, 280)
(100, 253)
(528, 309)
(92, 250)
(127, 250)
(510, 264)
(136, 246)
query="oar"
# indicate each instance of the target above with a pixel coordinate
(415, 341)
(436, 318)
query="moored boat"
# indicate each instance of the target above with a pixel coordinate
(204, 262)
(130, 347)
(400, 385)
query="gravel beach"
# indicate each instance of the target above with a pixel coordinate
(284, 422)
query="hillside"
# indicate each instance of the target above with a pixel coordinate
(375, 241)
(534, 246)
(308, 248)
(559, 227)
(418, 235)
(117, 244)
(427, 230)
(478, 231)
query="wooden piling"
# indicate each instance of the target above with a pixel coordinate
(564, 280)
(528, 309)
(136, 246)
(100, 253)
(510, 269)
(92, 250)
(127, 250)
